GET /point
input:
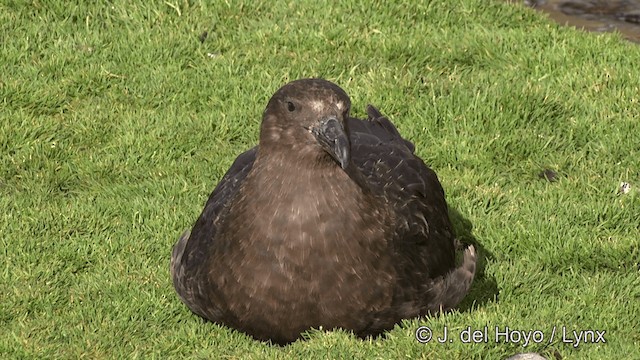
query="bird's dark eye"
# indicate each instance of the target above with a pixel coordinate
(290, 106)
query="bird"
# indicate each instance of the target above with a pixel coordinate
(330, 222)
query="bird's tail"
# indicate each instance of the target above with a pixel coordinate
(450, 291)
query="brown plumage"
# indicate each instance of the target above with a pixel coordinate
(329, 222)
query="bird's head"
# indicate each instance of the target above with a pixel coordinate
(308, 115)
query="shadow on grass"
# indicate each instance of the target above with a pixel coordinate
(484, 288)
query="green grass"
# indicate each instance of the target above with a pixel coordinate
(116, 122)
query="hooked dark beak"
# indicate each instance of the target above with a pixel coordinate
(331, 135)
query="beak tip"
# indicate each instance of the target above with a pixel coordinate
(333, 138)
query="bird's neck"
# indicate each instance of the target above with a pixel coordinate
(290, 173)
(308, 164)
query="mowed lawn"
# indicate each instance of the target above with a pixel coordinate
(118, 118)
